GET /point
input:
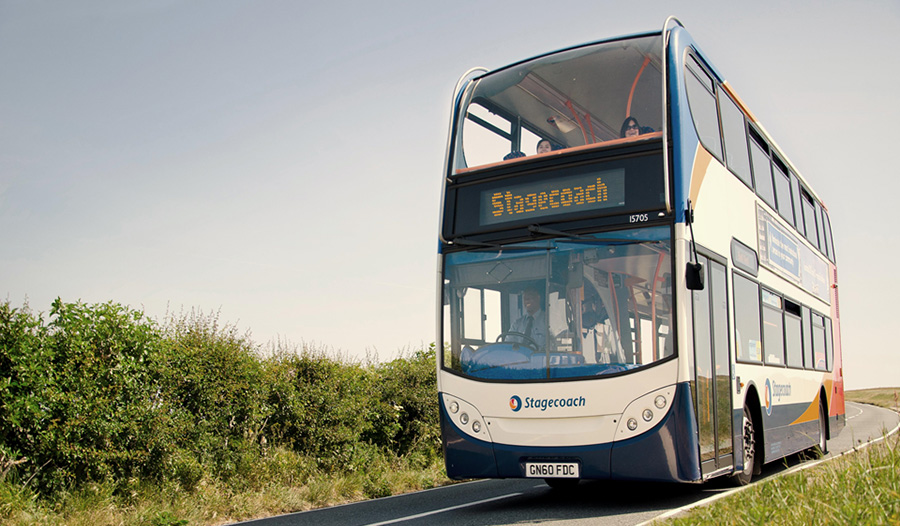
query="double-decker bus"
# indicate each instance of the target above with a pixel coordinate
(634, 280)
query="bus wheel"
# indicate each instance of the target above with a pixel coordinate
(748, 437)
(822, 447)
(562, 483)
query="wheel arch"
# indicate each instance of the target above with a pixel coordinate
(752, 401)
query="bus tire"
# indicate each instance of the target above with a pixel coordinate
(560, 484)
(821, 448)
(748, 441)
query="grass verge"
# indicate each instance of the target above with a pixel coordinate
(286, 483)
(888, 397)
(858, 488)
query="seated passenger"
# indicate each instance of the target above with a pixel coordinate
(630, 128)
(544, 146)
(600, 341)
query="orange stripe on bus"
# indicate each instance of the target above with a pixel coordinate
(811, 414)
(702, 158)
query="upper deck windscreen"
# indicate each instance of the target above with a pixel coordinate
(574, 98)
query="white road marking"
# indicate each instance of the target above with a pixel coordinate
(859, 410)
(442, 510)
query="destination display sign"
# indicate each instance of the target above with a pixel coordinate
(604, 191)
(577, 193)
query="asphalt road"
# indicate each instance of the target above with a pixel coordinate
(525, 501)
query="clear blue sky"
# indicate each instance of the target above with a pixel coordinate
(279, 162)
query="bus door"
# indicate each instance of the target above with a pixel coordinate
(712, 370)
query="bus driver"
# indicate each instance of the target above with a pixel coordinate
(533, 325)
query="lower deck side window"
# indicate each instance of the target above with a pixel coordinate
(746, 319)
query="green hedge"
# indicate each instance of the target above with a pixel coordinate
(102, 393)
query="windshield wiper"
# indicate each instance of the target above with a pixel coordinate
(538, 229)
(471, 243)
(481, 245)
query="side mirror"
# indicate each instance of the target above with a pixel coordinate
(693, 277)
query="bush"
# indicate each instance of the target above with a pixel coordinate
(79, 399)
(331, 402)
(409, 387)
(101, 394)
(212, 383)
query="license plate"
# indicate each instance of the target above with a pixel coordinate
(552, 470)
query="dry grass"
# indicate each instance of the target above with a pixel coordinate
(212, 503)
(860, 488)
(888, 397)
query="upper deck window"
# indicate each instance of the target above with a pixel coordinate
(575, 98)
(702, 99)
(795, 196)
(783, 190)
(820, 240)
(735, 132)
(826, 229)
(762, 169)
(809, 218)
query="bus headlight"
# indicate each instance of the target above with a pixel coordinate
(660, 402)
(645, 412)
(466, 417)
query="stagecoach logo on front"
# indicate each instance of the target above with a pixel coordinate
(515, 403)
(768, 397)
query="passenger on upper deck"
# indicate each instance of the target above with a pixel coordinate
(544, 146)
(630, 128)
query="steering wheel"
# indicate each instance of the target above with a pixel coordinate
(525, 340)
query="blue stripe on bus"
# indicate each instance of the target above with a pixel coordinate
(667, 453)
(465, 456)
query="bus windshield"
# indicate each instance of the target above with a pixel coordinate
(589, 95)
(561, 308)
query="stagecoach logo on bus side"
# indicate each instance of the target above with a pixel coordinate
(515, 403)
(774, 392)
